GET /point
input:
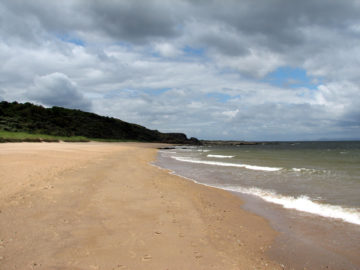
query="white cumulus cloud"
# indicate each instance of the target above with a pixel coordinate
(58, 90)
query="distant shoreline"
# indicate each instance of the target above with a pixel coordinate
(223, 142)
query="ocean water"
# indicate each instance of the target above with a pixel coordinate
(319, 178)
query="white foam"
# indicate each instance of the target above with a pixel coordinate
(303, 203)
(309, 171)
(303, 170)
(225, 164)
(203, 150)
(219, 156)
(167, 152)
(185, 150)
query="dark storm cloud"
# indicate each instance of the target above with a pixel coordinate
(277, 24)
(134, 21)
(351, 118)
(124, 21)
(226, 43)
(34, 21)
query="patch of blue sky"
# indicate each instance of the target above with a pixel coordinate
(291, 77)
(192, 51)
(121, 93)
(156, 54)
(71, 39)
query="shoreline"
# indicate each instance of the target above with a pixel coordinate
(103, 206)
(304, 240)
(308, 241)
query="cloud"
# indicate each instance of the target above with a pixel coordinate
(134, 21)
(231, 114)
(201, 67)
(167, 50)
(56, 89)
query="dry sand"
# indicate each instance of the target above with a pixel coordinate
(103, 206)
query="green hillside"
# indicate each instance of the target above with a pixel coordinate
(57, 121)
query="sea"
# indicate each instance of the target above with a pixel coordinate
(305, 189)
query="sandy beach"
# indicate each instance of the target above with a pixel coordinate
(104, 206)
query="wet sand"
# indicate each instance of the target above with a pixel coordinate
(307, 241)
(103, 206)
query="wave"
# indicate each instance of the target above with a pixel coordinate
(219, 156)
(184, 150)
(225, 164)
(302, 203)
(167, 152)
(310, 171)
(300, 169)
(203, 150)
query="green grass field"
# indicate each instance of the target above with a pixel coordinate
(7, 136)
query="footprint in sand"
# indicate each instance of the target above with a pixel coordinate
(197, 255)
(146, 258)
(120, 266)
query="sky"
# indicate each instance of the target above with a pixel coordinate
(232, 70)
